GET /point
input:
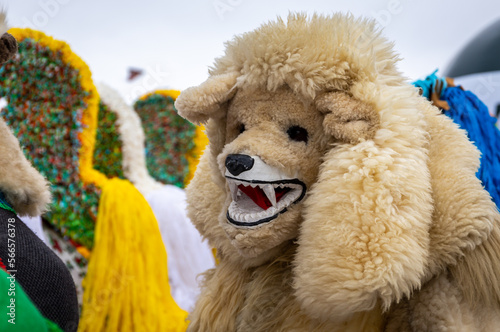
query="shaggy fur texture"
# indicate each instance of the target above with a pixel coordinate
(23, 187)
(347, 119)
(394, 221)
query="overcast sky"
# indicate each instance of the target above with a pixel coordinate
(176, 41)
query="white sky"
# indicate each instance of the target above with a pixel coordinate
(176, 41)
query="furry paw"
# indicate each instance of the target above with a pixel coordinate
(346, 118)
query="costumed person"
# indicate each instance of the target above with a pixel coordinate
(48, 129)
(120, 292)
(188, 254)
(472, 115)
(29, 262)
(337, 197)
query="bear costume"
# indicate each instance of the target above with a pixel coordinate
(337, 197)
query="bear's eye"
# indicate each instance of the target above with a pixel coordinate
(298, 134)
(241, 128)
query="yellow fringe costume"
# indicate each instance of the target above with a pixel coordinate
(126, 287)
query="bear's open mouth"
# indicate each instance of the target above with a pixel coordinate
(256, 202)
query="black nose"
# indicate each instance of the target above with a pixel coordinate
(238, 163)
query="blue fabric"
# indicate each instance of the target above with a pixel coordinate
(428, 85)
(472, 115)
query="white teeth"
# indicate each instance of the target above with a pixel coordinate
(269, 191)
(233, 186)
(244, 210)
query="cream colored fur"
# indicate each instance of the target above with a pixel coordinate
(203, 102)
(347, 119)
(394, 221)
(23, 187)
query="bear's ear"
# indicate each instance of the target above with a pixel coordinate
(346, 118)
(203, 102)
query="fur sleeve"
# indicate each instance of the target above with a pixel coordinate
(25, 188)
(364, 239)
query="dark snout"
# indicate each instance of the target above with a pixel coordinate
(238, 163)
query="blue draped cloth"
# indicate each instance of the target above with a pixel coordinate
(472, 115)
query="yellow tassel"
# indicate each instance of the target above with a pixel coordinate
(126, 287)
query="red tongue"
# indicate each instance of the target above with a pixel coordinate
(259, 197)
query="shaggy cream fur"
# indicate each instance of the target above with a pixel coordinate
(393, 222)
(203, 102)
(23, 187)
(347, 119)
